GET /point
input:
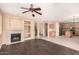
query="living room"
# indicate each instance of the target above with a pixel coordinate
(58, 24)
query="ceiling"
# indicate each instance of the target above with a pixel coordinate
(50, 11)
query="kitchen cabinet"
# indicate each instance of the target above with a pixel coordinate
(66, 27)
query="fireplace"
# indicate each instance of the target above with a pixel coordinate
(15, 37)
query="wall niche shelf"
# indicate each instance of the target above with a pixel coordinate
(27, 29)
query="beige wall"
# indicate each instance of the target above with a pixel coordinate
(14, 23)
(11, 23)
(0, 29)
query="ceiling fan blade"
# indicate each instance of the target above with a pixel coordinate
(25, 11)
(23, 8)
(38, 12)
(39, 9)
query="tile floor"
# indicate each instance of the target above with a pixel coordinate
(72, 42)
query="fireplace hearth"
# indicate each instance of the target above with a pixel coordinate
(15, 37)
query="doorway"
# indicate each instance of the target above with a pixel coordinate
(41, 30)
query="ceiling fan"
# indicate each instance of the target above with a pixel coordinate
(32, 9)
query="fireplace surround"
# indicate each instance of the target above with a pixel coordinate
(14, 36)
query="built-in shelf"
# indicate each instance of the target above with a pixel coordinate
(52, 29)
(27, 29)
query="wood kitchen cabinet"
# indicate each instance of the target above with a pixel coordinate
(76, 33)
(66, 27)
